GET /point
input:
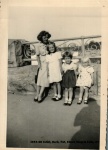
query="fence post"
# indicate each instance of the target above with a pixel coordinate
(82, 46)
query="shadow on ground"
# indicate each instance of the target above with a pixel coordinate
(29, 121)
(89, 133)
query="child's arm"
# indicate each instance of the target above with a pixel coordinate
(76, 70)
(47, 68)
(60, 63)
(92, 76)
(91, 71)
(47, 64)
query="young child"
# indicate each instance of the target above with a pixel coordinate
(85, 79)
(69, 77)
(53, 60)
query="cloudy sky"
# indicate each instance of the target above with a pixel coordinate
(27, 22)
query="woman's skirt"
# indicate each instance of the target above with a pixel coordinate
(42, 79)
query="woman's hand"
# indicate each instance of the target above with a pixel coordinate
(92, 83)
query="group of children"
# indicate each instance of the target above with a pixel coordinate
(67, 75)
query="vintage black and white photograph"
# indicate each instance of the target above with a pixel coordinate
(54, 77)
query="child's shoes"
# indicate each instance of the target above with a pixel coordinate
(86, 101)
(54, 98)
(58, 97)
(79, 101)
(70, 102)
(66, 101)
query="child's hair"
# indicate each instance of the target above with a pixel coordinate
(67, 54)
(51, 43)
(86, 59)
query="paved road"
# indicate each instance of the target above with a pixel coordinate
(51, 124)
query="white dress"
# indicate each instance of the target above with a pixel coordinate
(54, 67)
(84, 78)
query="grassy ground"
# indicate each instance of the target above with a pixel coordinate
(51, 124)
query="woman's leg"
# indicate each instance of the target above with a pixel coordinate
(37, 92)
(40, 93)
(66, 96)
(80, 95)
(86, 94)
(70, 95)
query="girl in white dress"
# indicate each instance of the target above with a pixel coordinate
(85, 79)
(53, 60)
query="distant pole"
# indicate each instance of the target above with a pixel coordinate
(82, 46)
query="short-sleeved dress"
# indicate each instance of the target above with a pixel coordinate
(42, 79)
(54, 67)
(84, 78)
(69, 77)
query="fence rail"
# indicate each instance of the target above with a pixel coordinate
(34, 59)
(66, 39)
(20, 52)
(85, 43)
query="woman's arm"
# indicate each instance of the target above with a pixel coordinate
(37, 49)
(39, 62)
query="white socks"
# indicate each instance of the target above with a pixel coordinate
(69, 100)
(66, 100)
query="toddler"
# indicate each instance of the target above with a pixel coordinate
(85, 79)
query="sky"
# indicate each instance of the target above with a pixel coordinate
(61, 22)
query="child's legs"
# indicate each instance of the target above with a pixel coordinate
(81, 92)
(70, 94)
(58, 88)
(86, 94)
(66, 94)
(55, 89)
